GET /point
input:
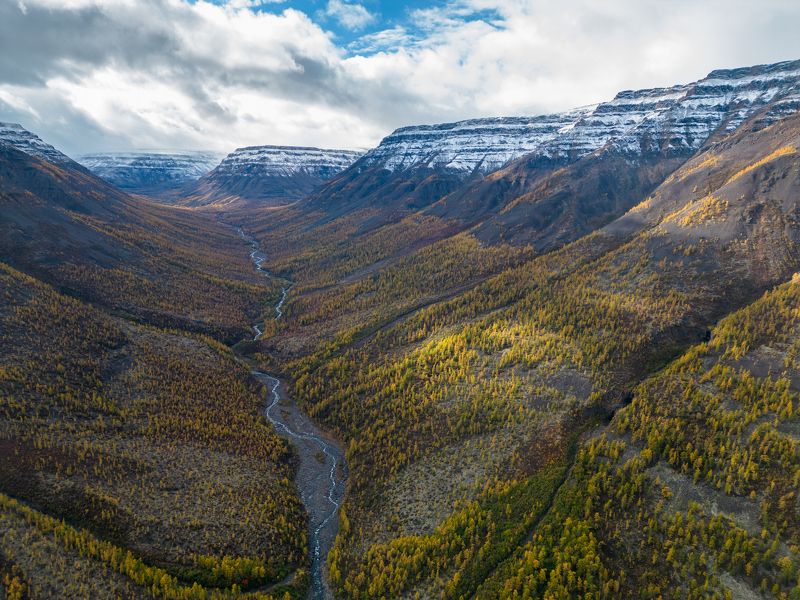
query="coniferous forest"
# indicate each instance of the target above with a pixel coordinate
(511, 357)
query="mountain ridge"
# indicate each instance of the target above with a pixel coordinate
(15, 135)
(630, 119)
(150, 172)
(267, 174)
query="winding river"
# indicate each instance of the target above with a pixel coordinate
(321, 472)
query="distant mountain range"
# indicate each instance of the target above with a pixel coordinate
(672, 122)
(677, 119)
(258, 174)
(150, 172)
(543, 181)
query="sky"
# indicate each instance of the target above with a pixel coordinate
(121, 75)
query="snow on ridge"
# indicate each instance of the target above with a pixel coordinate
(677, 119)
(121, 167)
(15, 135)
(475, 143)
(143, 171)
(285, 161)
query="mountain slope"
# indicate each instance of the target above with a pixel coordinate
(572, 172)
(372, 262)
(692, 491)
(136, 460)
(118, 442)
(453, 401)
(167, 266)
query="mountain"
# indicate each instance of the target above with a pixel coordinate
(575, 172)
(484, 145)
(479, 454)
(13, 134)
(150, 173)
(684, 120)
(678, 119)
(558, 354)
(269, 175)
(470, 349)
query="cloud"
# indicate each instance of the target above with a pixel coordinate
(92, 75)
(384, 40)
(349, 14)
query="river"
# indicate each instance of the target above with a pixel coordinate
(321, 471)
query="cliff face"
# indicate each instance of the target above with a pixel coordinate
(482, 144)
(285, 161)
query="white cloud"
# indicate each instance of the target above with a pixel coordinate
(17, 103)
(92, 74)
(349, 14)
(386, 39)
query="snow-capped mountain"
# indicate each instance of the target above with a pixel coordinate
(484, 144)
(150, 171)
(20, 138)
(285, 161)
(270, 174)
(675, 120)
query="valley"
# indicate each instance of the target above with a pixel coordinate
(322, 470)
(320, 479)
(545, 357)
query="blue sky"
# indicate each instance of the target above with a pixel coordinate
(356, 25)
(118, 75)
(385, 15)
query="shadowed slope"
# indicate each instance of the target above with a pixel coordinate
(86, 237)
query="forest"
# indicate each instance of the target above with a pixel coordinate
(611, 416)
(440, 369)
(138, 454)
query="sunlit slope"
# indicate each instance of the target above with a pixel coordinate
(540, 182)
(451, 401)
(692, 491)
